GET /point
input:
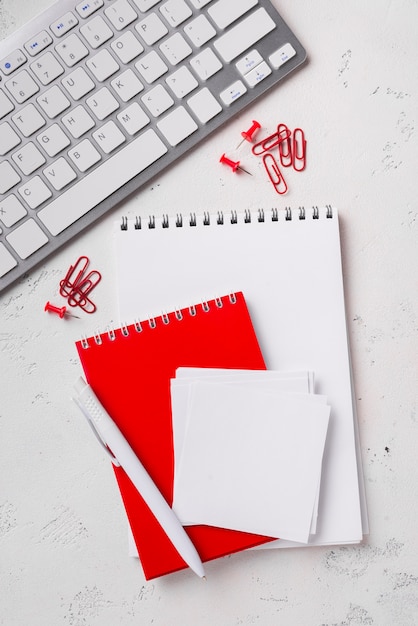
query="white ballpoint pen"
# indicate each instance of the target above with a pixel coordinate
(122, 454)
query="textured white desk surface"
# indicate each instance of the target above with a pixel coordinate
(63, 534)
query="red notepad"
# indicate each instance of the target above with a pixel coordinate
(130, 369)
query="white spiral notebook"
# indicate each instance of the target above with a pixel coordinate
(288, 265)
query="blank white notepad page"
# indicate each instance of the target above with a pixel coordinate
(290, 273)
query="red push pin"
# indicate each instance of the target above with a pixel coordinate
(62, 311)
(247, 135)
(234, 165)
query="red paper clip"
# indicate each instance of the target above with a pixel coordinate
(285, 147)
(274, 173)
(78, 295)
(73, 276)
(265, 145)
(298, 150)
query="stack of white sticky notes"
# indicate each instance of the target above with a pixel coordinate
(248, 448)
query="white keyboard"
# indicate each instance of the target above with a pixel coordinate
(97, 97)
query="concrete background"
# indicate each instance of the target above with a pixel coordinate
(63, 533)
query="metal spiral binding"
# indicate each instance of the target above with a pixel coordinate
(152, 323)
(165, 318)
(248, 216)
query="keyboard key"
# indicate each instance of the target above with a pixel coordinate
(244, 35)
(78, 121)
(151, 29)
(59, 174)
(206, 64)
(282, 55)
(8, 177)
(175, 12)
(181, 82)
(127, 47)
(133, 118)
(199, 31)
(5, 104)
(151, 67)
(28, 120)
(225, 12)
(9, 138)
(145, 5)
(102, 181)
(7, 260)
(11, 210)
(157, 100)
(38, 43)
(120, 14)
(96, 32)
(71, 50)
(257, 74)
(204, 105)
(53, 102)
(199, 4)
(28, 158)
(27, 238)
(176, 126)
(84, 155)
(249, 62)
(233, 92)
(102, 103)
(175, 49)
(109, 137)
(102, 65)
(22, 86)
(127, 85)
(85, 9)
(12, 62)
(34, 192)
(64, 24)
(53, 140)
(78, 83)
(46, 68)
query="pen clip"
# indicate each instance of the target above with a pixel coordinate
(96, 433)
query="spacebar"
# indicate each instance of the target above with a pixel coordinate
(102, 182)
